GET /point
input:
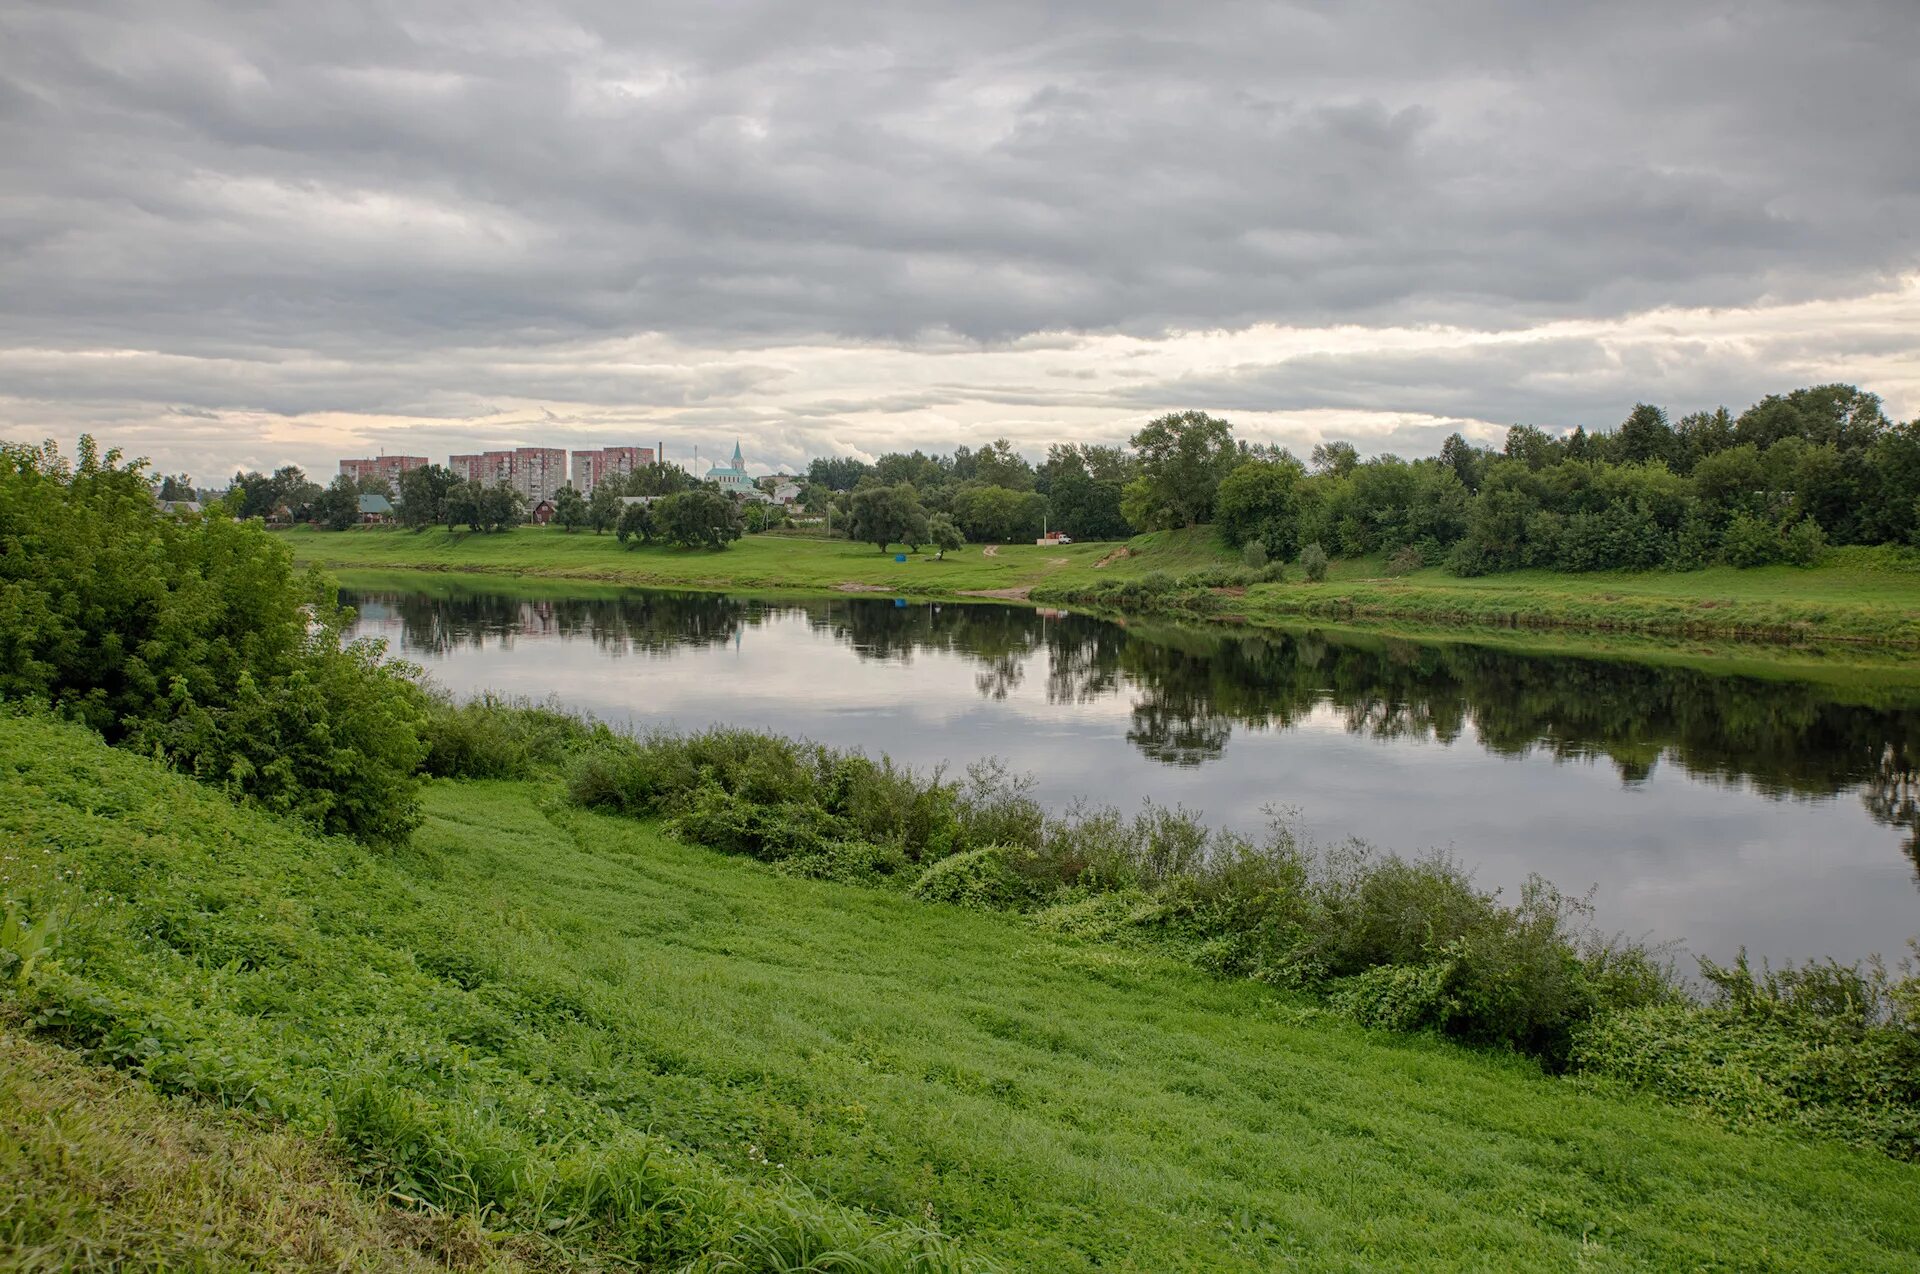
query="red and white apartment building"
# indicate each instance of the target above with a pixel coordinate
(388, 467)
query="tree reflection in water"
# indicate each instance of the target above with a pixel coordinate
(1190, 688)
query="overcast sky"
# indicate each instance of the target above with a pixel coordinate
(247, 234)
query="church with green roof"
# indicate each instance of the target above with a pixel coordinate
(732, 476)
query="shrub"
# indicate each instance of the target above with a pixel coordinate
(1803, 543)
(1313, 563)
(982, 879)
(1750, 541)
(490, 737)
(1831, 1049)
(1405, 560)
(1254, 555)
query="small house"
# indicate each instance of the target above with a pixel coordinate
(542, 513)
(375, 510)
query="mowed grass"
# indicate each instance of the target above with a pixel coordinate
(754, 562)
(538, 983)
(1858, 595)
(99, 1172)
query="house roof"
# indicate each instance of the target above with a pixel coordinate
(375, 504)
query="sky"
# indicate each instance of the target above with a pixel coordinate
(238, 236)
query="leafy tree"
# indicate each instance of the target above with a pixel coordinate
(603, 508)
(944, 535)
(1847, 417)
(177, 486)
(1645, 435)
(1335, 458)
(259, 495)
(423, 495)
(1313, 563)
(998, 513)
(1466, 461)
(1183, 458)
(656, 479)
(196, 641)
(1530, 446)
(1259, 503)
(338, 507)
(888, 515)
(998, 465)
(702, 518)
(636, 524)
(570, 509)
(500, 508)
(840, 473)
(1085, 486)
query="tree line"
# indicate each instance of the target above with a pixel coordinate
(1780, 482)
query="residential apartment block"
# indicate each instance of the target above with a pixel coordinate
(591, 468)
(387, 467)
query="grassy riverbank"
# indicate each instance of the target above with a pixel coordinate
(1858, 596)
(580, 1028)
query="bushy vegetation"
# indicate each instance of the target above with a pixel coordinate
(1791, 475)
(195, 640)
(563, 1032)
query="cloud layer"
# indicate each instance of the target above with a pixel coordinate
(257, 233)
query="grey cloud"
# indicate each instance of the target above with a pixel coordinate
(360, 207)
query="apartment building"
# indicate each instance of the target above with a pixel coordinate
(538, 473)
(590, 468)
(377, 467)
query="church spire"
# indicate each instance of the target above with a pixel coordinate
(737, 461)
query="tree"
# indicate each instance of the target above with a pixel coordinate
(603, 508)
(635, 524)
(1183, 458)
(201, 645)
(703, 518)
(570, 509)
(1336, 458)
(998, 465)
(998, 513)
(1259, 503)
(841, 473)
(338, 507)
(655, 479)
(1084, 487)
(1459, 455)
(1645, 435)
(260, 495)
(500, 507)
(944, 535)
(177, 486)
(888, 515)
(423, 495)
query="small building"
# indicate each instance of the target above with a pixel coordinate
(787, 493)
(180, 508)
(542, 513)
(732, 476)
(375, 510)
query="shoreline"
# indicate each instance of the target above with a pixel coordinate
(1078, 576)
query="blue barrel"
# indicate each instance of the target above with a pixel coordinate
(899, 557)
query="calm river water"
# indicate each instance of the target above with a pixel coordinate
(1716, 811)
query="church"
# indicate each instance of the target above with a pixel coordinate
(732, 476)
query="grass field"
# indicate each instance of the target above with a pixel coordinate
(1868, 596)
(575, 1027)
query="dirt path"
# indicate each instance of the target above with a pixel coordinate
(1116, 555)
(1002, 594)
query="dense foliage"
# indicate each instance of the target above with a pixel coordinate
(1789, 476)
(194, 639)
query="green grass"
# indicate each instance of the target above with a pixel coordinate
(532, 1000)
(99, 1172)
(1859, 595)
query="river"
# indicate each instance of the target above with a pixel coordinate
(1711, 810)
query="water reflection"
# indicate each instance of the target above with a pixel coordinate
(1716, 809)
(1189, 688)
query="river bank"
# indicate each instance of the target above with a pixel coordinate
(1858, 597)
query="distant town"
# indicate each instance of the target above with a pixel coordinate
(538, 473)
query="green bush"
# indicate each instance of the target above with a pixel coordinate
(982, 879)
(490, 737)
(1313, 563)
(1750, 541)
(1254, 555)
(1828, 1048)
(194, 639)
